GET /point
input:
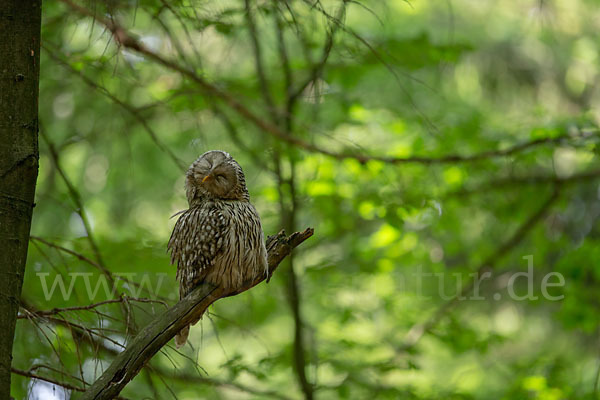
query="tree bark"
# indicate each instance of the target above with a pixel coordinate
(20, 24)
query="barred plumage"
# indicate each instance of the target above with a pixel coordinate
(219, 239)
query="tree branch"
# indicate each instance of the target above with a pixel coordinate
(164, 327)
(98, 342)
(516, 182)
(416, 333)
(31, 375)
(92, 307)
(193, 379)
(76, 198)
(135, 112)
(86, 260)
(124, 38)
(79, 208)
(258, 64)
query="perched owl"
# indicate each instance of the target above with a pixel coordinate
(219, 238)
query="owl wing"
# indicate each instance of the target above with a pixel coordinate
(195, 243)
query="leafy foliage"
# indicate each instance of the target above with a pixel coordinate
(412, 82)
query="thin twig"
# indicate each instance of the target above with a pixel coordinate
(338, 21)
(76, 197)
(78, 328)
(221, 383)
(317, 67)
(87, 260)
(128, 41)
(234, 135)
(597, 380)
(29, 374)
(127, 107)
(121, 299)
(35, 367)
(258, 63)
(417, 332)
(68, 251)
(165, 326)
(289, 218)
(518, 181)
(46, 379)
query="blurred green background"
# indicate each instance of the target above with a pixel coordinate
(514, 83)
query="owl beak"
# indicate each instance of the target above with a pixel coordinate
(207, 177)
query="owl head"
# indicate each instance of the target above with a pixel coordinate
(215, 174)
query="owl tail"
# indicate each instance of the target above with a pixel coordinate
(182, 336)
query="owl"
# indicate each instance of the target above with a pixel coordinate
(219, 238)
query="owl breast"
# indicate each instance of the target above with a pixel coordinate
(219, 242)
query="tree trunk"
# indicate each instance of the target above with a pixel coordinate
(20, 23)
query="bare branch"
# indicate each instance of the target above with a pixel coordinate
(46, 379)
(234, 135)
(317, 68)
(338, 22)
(288, 218)
(258, 63)
(219, 383)
(68, 251)
(128, 41)
(127, 107)
(29, 374)
(78, 329)
(84, 259)
(165, 326)
(76, 197)
(518, 181)
(597, 380)
(121, 299)
(419, 330)
(90, 338)
(289, 214)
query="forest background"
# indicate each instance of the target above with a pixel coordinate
(423, 141)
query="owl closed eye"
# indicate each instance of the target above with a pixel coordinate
(215, 174)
